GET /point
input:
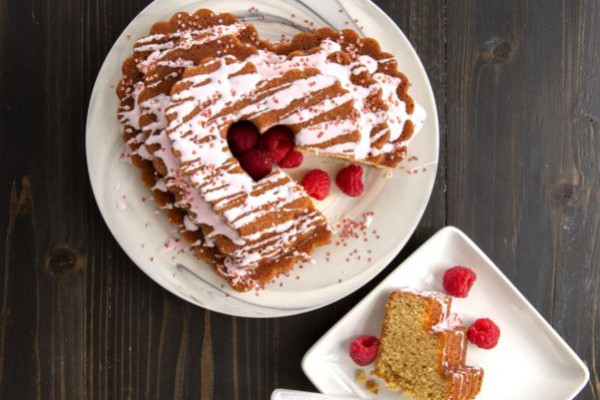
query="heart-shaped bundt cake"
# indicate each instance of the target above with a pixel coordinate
(196, 75)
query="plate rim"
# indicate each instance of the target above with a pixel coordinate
(385, 260)
(452, 230)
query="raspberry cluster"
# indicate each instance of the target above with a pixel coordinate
(257, 153)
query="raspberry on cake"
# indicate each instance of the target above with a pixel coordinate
(293, 159)
(422, 351)
(256, 163)
(241, 137)
(277, 142)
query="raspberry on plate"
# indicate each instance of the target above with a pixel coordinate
(317, 184)
(363, 350)
(277, 141)
(293, 159)
(256, 163)
(484, 333)
(349, 180)
(241, 137)
(458, 280)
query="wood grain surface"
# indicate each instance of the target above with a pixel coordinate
(517, 84)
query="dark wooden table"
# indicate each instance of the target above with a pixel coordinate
(518, 92)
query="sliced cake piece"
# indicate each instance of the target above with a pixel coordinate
(387, 116)
(422, 351)
(157, 61)
(274, 217)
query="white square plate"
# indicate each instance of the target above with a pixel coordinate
(530, 361)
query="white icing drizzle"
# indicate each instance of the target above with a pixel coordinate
(269, 65)
(306, 114)
(201, 211)
(447, 324)
(130, 116)
(160, 45)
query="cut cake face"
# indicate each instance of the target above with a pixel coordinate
(197, 74)
(423, 351)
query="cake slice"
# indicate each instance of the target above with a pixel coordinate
(422, 350)
(387, 117)
(157, 61)
(274, 218)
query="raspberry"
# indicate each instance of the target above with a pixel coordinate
(363, 350)
(241, 137)
(458, 281)
(293, 159)
(349, 180)
(277, 141)
(256, 163)
(317, 184)
(484, 333)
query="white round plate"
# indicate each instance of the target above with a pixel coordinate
(397, 201)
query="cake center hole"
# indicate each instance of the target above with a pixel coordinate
(258, 153)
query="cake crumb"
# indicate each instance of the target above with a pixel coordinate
(372, 386)
(361, 377)
(369, 384)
